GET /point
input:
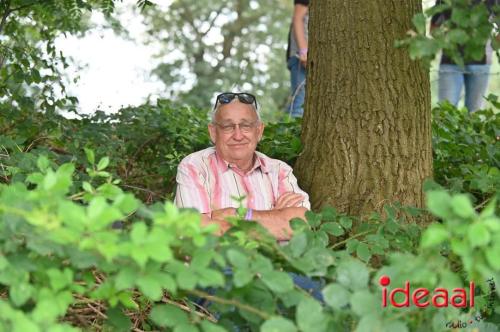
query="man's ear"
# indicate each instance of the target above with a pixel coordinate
(211, 132)
(261, 130)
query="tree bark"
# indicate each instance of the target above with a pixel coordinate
(367, 123)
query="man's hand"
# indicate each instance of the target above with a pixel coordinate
(223, 225)
(303, 59)
(222, 214)
(289, 199)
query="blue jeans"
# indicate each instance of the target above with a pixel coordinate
(313, 287)
(298, 85)
(473, 77)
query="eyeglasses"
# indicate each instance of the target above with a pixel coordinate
(227, 97)
(229, 128)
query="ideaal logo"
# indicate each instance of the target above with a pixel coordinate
(439, 298)
(479, 316)
(423, 297)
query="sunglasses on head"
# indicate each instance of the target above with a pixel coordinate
(227, 97)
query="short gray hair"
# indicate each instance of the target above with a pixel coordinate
(213, 112)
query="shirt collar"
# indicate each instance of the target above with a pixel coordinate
(258, 163)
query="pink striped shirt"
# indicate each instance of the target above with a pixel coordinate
(206, 182)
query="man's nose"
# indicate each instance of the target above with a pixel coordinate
(238, 135)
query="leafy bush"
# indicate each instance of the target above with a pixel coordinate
(65, 248)
(466, 154)
(145, 144)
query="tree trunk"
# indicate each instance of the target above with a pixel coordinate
(367, 124)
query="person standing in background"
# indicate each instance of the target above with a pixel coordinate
(297, 56)
(474, 76)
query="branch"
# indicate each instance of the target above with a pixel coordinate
(234, 28)
(211, 25)
(5, 15)
(205, 314)
(27, 5)
(242, 306)
(188, 16)
(350, 238)
(142, 189)
(137, 152)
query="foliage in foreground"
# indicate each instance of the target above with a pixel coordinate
(153, 261)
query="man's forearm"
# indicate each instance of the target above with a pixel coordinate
(223, 225)
(277, 222)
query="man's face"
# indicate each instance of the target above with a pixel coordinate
(238, 145)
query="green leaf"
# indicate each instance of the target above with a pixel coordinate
(118, 320)
(363, 252)
(168, 283)
(434, 234)
(278, 282)
(20, 293)
(126, 278)
(150, 286)
(187, 327)
(168, 315)
(237, 258)
(369, 323)
(333, 228)
(365, 303)
(438, 203)
(90, 155)
(419, 22)
(329, 213)
(138, 234)
(42, 163)
(313, 219)
(242, 277)
(460, 247)
(352, 245)
(103, 163)
(87, 187)
(126, 203)
(479, 234)
(209, 277)
(458, 36)
(211, 327)
(352, 274)
(60, 279)
(493, 256)
(261, 264)
(3, 262)
(49, 181)
(462, 206)
(310, 316)
(298, 225)
(298, 244)
(186, 279)
(489, 210)
(395, 326)
(336, 296)
(127, 299)
(346, 222)
(278, 324)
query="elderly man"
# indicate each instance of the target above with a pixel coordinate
(210, 180)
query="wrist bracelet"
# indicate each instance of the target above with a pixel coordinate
(249, 214)
(303, 51)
